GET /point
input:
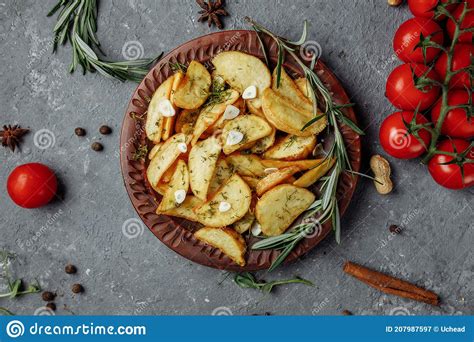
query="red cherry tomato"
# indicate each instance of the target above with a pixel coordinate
(426, 8)
(468, 22)
(32, 185)
(450, 175)
(402, 93)
(408, 36)
(398, 141)
(461, 59)
(457, 123)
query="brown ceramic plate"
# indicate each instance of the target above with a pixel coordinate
(177, 233)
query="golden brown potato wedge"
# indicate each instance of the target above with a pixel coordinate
(264, 144)
(275, 178)
(228, 205)
(186, 209)
(304, 164)
(161, 188)
(186, 120)
(168, 121)
(279, 207)
(167, 155)
(222, 173)
(250, 127)
(225, 239)
(212, 112)
(193, 90)
(303, 86)
(287, 118)
(202, 163)
(241, 70)
(290, 91)
(291, 147)
(312, 176)
(254, 110)
(246, 165)
(177, 188)
(251, 181)
(154, 150)
(245, 223)
(154, 119)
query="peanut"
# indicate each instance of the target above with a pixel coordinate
(394, 3)
(381, 170)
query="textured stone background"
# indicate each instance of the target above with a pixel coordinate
(140, 275)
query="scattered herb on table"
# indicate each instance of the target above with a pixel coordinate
(247, 280)
(77, 24)
(211, 11)
(11, 136)
(325, 208)
(6, 312)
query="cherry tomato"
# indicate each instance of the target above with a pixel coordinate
(408, 36)
(468, 22)
(461, 59)
(32, 185)
(426, 8)
(457, 123)
(402, 92)
(450, 175)
(398, 141)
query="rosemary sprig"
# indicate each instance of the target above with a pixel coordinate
(77, 24)
(14, 286)
(248, 281)
(326, 207)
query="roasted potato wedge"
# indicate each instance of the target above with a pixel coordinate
(290, 91)
(177, 186)
(244, 224)
(251, 128)
(254, 110)
(275, 178)
(161, 188)
(167, 155)
(221, 174)
(279, 207)
(186, 209)
(168, 121)
(246, 165)
(186, 120)
(193, 90)
(212, 112)
(303, 86)
(264, 144)
(251, 181)
(202, 163)
(228, 205)
(225, 239)
(303, 164)
(287, 118)
(291, 147)
(154, 119)
(312, 176)
(154, 150)
(241, 70)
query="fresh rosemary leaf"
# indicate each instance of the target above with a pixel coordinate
(351, 124)
(247, 280)
(303, 35)
(262, 47)
(279, 63)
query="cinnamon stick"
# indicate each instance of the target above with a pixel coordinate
(390, 285)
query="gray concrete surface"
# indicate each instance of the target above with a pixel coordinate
(140, 275)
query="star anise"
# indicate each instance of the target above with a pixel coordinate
(211, 10)
(11, 136)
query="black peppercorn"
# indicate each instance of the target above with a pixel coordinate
(51, 306)
(347, 313)
(70, 269)
(104, 129)
(48, 296)
(394, 229)
(97, 146)
(77, 288)
(80, 132)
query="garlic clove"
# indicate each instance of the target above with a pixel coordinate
(224, 206)
(231, 112)
(249, 93)
(182, 147)
(179, 196)
(256, 229)
(166, 108)
(234, 137)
